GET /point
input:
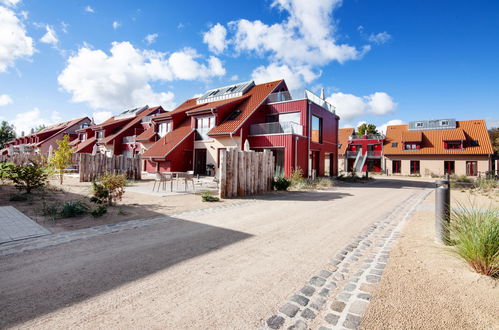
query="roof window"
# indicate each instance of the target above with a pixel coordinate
(444, 123)
(474, 143)
(234, 115)
(419, 124)
(394, 144)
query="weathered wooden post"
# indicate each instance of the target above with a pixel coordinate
(442, 210)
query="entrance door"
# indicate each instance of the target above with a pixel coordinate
(200, 161)
(279, 162)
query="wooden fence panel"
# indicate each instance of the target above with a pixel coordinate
(245, 173)
(93, 166)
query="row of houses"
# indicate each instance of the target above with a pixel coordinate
(425, 147)
(301, 133)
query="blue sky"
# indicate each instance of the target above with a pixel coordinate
(378, 61)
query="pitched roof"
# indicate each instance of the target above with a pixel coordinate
(135, 120)
(169, 142)
(343, 137)
(88, 142)
(187, 105)
(217, 104)
(146, 135)
(433, 140)
(412, 136)
(59, 126)
(256, 96)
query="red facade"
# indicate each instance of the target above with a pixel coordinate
(371, 147)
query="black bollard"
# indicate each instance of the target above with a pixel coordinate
(442, 211)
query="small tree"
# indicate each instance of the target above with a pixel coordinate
(365, 129)
(61, 159)
(109, 189)
(7, 133)
(29, 177)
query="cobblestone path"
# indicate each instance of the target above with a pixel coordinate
(339, 294)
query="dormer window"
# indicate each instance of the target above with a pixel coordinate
(100, 135)
(411, 146)
(419, 124)
(453, 145)
(164, 128)
(474, 143)
(395, 144)
(444, 123)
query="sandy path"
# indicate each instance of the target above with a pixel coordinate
(224, 270)
(425, 286)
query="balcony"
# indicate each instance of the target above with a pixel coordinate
(367, 137)
(129, 140)
(279, 97)
(202, 133)
(276, 128)
(146, 119)
(352, 154)
(374, 153)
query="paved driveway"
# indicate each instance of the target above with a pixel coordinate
(225, 269)
(14, 225)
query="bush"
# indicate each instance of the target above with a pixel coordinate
(5, 171)
(475, 235)
(51, 210)
(460, 178)
(486, 184)
(281, 183)
(297, 176)
(72, 209)
(29, 177)
(99, 211)
(208, 197)
(109, 189)
(18, 197)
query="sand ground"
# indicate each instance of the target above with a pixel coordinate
(426, 286)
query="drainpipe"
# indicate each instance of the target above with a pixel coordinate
(296, 152)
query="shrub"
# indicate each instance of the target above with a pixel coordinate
(208, 197)
(475, 235)
(5, 171)
(281, 183)
(29, 177)
(99, 211)
(18, 197)
(297, 176)
(460, 178)
(72, 209)
(51, 210)
(109, 189)
(486, 184)
(61, 159)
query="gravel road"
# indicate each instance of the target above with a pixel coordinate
(228, 269)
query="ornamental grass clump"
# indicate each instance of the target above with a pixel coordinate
(475, 236)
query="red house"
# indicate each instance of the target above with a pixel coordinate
(117, 135)
(362, 153)
(40, 142)
(302, 133)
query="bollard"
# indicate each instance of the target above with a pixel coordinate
(442, 211)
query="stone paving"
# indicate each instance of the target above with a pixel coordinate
(14, 225)
(339, 294)
(68, 236)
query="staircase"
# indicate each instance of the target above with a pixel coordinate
(360, 161)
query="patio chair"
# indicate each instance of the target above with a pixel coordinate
(160, 179)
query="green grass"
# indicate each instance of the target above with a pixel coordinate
(475, 236)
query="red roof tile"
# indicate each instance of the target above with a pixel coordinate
(412, 136)
(87, 143)
(343, 138)
(146, 135)
(169, 142)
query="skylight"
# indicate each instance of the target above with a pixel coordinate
(131, 113)
(226, 92)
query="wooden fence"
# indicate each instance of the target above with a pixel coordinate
(93, 166)
(244, 173)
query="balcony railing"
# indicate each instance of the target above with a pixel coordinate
(352, 154)
(129, 139)
(374, 153)
(367, 137)
(146, 119)
(279, 97)
(276, 128)
(202, 134)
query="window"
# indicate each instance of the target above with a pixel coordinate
(396, 165)
(449, 167)
(290, 117)
(419, 124)
(203, 125)
(444, 123)
(414, 166)
(316, 129)
(410, 146)
(453, 145)
(164, 128)
(474, 143)
(471, 168)
(100, 135)
(234, 115)
(394, 144)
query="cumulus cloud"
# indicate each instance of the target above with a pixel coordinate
(50, 37)
(116, 25)
(101, 116)
(380, 38)
(14, 42)
(5, 100)
(215, 38)
(349, 106)
(89, 9)
(123, 78)
(151, 38)
(10, 3)
(295, 76)
(25, 121)
(302, 43)
(382, 128)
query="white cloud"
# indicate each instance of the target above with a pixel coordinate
(50, 37)
(215, 38)
(295, 76)
(116, 25)
(305, 41)
(64, 27)
(151, 38)
(492, 122)
(380, 38)
(382, 128)
(89, 9)
(234, 77)
(101, 116)
(122, 79)
(10, 3)
(25, 121)
(349, 106)
(5, 100)
(14, 42)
